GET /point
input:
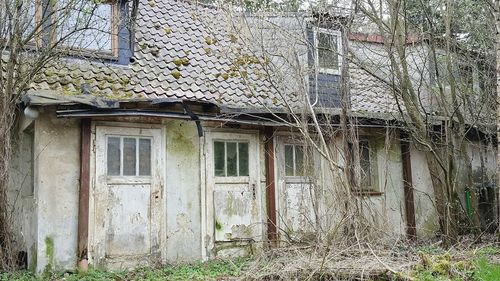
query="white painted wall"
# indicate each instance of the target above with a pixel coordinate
(58, 170)
(21, 193)
(183, 193)
(390, 208)
(56, 181)
(425, 212)
(386, 210)
(57, 173)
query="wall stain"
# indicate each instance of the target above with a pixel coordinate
(33, 258)
(218, 225)
(235, 206)
(49, 253)
(180, 139)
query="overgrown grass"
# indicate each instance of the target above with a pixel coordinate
(436, 265)
(210, 270)
(444, 267)
(486, 271)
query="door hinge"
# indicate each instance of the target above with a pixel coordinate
(253, 191)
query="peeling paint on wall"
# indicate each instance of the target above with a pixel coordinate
(182, 192)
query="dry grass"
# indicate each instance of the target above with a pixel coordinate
(350, 263)
(363, 261)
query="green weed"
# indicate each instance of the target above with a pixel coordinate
(443, 267)
(210, 270)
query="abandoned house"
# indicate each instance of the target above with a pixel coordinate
(157, 151)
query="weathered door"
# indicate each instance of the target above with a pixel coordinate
(297, 171)
(234, 214)
(127, 196)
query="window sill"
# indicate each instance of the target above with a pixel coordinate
(87, 54)
(367, 193)
(35, 46)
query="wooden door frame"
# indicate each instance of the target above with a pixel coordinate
(83, 193)
(91, 243)
(270, 162)
(207, 224)
(411, 228)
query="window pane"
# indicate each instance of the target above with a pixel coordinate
(364, 155)
(231, 159)
(30, 10)
(144, 157)
(327, 51)
(243, 158)
(129, 155)
(219, 159)
(113, 156)
(84, 24)
(299, 160)
(288, 160)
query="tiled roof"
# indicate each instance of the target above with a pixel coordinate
(370, 96)
(189, 51)
(182, 50)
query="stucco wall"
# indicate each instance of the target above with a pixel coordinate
(390, 206)
(57, 181)
(57, 173)
(483, 160)
(385, 210)
(483, 156)
(56, 184)
(21, 192)
(183, 218)
(425, 212)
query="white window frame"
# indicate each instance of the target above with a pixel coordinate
(226, 141)
(300, 174)
(137, 156)
(316, 50)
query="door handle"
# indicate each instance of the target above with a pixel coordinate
(253, 191)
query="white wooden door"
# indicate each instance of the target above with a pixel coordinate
(127, 196)
(297, 171)
(234, 213)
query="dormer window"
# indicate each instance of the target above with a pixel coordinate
(328, 45)
(78, 27)
(88, 26)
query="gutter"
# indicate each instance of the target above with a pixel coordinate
(84, 113)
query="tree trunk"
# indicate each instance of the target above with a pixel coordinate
(444, 200)
(497, 19)
(7, 247)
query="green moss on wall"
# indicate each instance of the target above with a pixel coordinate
(49, 253)
(181, 137)
(218, 225)
(33, 260)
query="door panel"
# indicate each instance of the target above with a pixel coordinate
(297, 170)
(128, 226)
(127, 196)
(234, 209)
(233, 219)
(296, 211)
